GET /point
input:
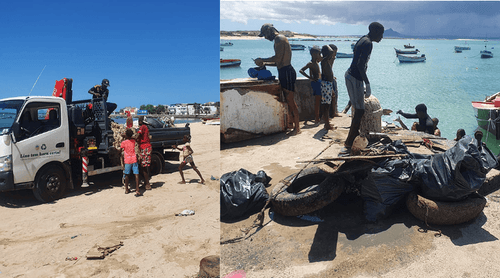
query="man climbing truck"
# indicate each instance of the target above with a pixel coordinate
(49, 145)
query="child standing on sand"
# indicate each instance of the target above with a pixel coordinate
(187, 155)
(315, 77)
(129, 160)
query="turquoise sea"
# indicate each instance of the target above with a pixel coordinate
(446, 82)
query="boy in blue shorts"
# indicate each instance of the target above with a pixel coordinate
(315, 77)
(129, 160)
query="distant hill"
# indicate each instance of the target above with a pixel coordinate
(389, 33)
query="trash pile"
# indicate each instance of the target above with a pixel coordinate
(242, 192)
(451, 176)
(439, 188)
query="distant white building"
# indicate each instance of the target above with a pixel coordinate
(178, 109)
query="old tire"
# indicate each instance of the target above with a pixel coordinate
(445, 213)
(313, 189)
(156, 164)
(50, 184)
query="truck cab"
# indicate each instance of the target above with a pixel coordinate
(35, 149)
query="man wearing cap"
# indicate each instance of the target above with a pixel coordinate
(286, 73)
(355, 76)
(101, 91)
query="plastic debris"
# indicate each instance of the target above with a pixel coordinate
(75, 236)
(185, 212)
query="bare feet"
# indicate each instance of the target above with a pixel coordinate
(202, 181)
(127, 191)
(329, 127)
(295, 132)
(137, 194)
(182, 182)
(148, 186)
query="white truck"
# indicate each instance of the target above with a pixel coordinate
(46, 142)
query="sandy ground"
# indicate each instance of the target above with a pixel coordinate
(36, 239)
(336, 241)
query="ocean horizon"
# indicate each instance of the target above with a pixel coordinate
(447, 82)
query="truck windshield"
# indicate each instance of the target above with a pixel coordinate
(8, 113)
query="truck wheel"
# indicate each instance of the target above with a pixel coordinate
(50, 184)
(313, 189)
(156, 164)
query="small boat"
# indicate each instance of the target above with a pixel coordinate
(344, 55)
(297, 46)
(458, 51)
(230, 63)
(486, 53)
(226, 44)
(221, 48)
(352, 46)
(409, 46)
(399, 51)
(466, 47)
(486, 113)
(410, 58)
(462, 48)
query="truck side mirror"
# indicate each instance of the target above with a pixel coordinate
(16, 129)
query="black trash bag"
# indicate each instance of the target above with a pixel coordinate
(262, 177)
(449, 176)
(242, 192)
(456, 173)
(385, 188)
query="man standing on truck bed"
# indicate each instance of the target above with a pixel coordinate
(145, 151)
(101, 91)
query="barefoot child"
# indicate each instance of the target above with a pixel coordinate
(315, 77)
(187, 154)
(129, 160)
(327, 80)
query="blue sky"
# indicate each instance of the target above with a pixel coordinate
(420, 18)
(152, 52)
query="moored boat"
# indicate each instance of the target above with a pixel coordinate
(465, 47)
(409, 46)
(297, 46)
(226, 44)
(399, 51)
(221, 48)
(230, 63)
(488, 122)
(352, 45)
(410, 58)
(460, 48)
(486, 53)
(344, 55)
